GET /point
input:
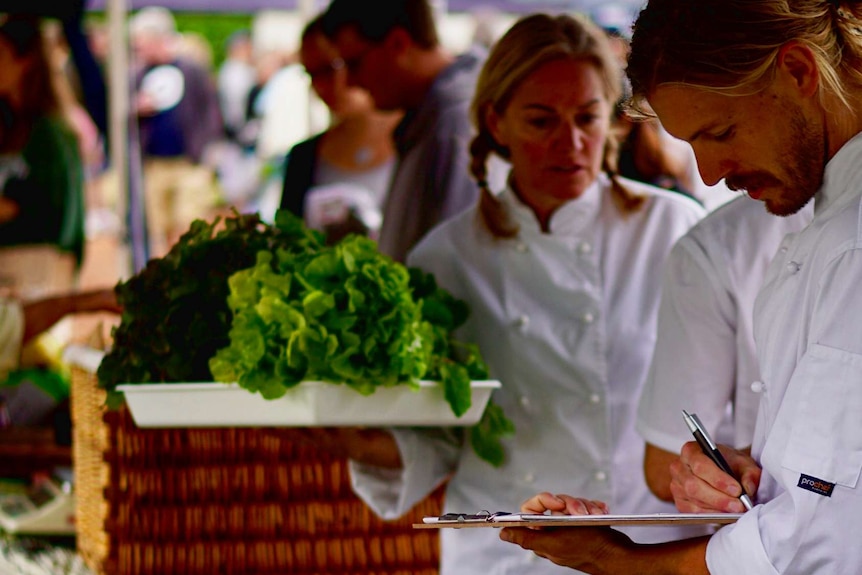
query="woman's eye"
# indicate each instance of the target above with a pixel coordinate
(586, 119)
(539, 122)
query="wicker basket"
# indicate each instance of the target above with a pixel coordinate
(228, 501)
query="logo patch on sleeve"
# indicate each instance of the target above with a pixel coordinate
(815, 485)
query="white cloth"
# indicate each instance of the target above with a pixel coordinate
(335, 204)
(566, 321)
(704, 360)
(808, 330)
(234, 81)
(289, 112)
(11, 335)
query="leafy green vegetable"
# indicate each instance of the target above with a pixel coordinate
(340, 314)
(175, 311)
(348, 314)
(271, 306)
(485, 436)
(446, 313)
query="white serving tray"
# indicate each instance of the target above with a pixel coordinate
(309, 404)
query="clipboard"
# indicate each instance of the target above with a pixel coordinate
(505, 519)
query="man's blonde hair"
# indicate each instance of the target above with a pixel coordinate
(731, 46)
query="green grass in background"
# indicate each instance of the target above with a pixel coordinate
(215, 28)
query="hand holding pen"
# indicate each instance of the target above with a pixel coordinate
(698, 486)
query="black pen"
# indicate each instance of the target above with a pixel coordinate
(711, 449)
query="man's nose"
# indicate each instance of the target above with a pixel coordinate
(712, 169)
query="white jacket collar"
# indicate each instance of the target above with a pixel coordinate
(570, 219)
(842, 180)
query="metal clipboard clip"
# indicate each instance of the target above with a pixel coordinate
(483, 516)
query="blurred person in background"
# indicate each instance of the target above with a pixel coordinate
(41, 171)
(266, 65)
(337, 180)
(195, 47)
(233, 158)
(91, 144)
(236, 77)
(561, 270)
(488, 24)
(283, 103)
(177, 105)
(89, 137)
(83, 61)
(42, 202)
(616, 21)
(279, 114)
(391, 48)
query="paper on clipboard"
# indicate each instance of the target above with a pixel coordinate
(503, 519)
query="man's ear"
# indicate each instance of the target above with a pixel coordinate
(798, 61)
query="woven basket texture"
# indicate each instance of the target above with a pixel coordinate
(223, 501)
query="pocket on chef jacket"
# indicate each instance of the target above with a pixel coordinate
(825, 443)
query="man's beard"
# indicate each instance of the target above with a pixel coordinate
(803, 162)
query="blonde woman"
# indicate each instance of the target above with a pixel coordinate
(562, 272)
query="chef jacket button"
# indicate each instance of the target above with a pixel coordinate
(601, 476)
(523, 321)
(525, 401)
(595, 398)
(585, 248)
(521, 247)
(793, 267)
(758, 386)
(588, 318)
(783, 249)
(529, 478)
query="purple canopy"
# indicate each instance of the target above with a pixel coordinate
(250, 6)
(54, 8)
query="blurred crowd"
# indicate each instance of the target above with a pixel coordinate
(216, 136)
(296, 125)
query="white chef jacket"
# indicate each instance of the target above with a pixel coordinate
(11, 335)
(808, 330)
(566, 321)
(704, 359)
